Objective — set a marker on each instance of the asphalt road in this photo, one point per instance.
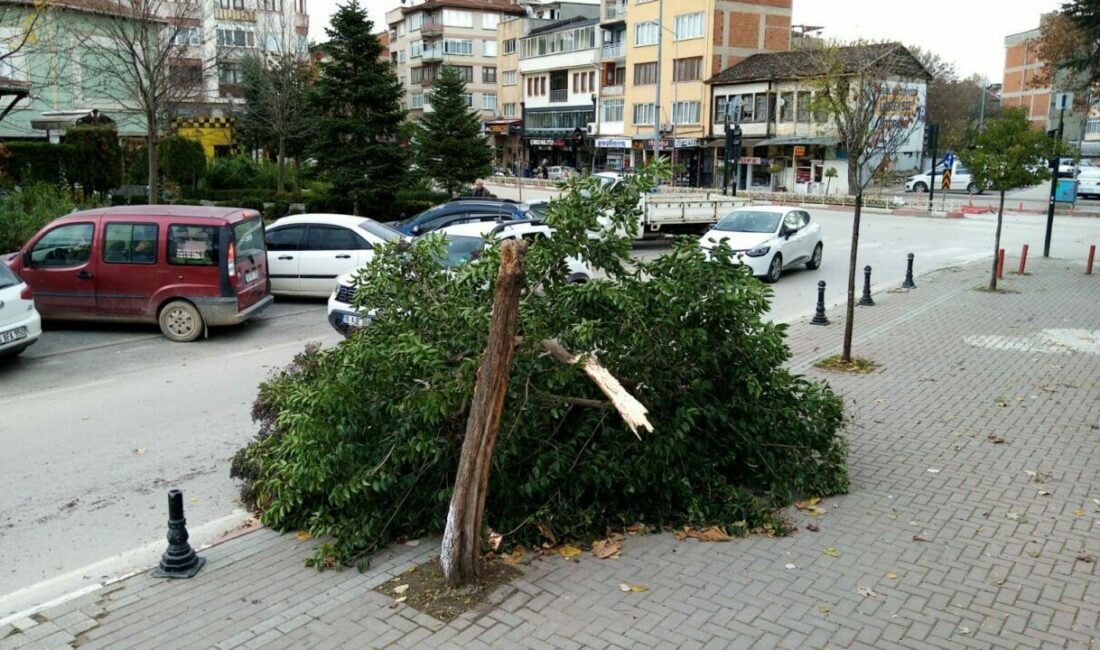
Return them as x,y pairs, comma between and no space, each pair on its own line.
98,421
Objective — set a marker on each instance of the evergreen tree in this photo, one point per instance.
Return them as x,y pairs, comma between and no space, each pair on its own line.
450,148
357,106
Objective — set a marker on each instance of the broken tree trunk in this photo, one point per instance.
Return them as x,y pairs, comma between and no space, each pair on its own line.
461,549
632,411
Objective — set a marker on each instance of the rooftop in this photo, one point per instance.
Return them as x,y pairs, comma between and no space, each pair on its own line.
503,6
803,64
568,23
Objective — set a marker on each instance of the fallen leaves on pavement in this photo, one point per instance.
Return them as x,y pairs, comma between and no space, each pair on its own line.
303,535
569,551
608,548
515,557
890,575
920,538
867,592
832,552
1018,517
400,589
997,440
711,534
632,588
1084,557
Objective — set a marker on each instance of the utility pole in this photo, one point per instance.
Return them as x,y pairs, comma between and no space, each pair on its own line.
657,106
522,147
933,142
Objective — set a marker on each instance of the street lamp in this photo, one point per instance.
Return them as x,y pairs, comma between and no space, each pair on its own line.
733,142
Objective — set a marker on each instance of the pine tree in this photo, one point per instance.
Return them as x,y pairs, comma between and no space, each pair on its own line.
357,104
450,148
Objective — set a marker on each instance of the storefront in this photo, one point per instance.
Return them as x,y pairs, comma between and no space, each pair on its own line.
504,139
613,154
750,172
799,162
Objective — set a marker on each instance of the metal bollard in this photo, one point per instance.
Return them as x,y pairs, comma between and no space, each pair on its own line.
1092,256
909,284
1023,260
1001,264
819,316
180,560
866,300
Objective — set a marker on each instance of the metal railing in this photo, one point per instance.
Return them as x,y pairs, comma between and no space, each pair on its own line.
611,91
615,11
560,95
614,50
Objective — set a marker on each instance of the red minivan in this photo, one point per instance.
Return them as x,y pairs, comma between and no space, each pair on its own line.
183,267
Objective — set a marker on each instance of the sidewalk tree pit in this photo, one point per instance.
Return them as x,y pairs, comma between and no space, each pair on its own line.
361,442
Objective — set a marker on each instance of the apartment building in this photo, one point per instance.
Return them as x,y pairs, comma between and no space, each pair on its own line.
457,33
657,54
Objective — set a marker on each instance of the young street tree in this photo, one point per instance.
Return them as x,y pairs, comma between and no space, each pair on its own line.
356,104
1070,41
872,94
141,54
450,148
1004,157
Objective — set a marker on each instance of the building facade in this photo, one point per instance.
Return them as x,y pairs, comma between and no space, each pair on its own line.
458,33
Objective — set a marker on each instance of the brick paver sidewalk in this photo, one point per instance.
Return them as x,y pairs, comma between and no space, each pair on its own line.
947,538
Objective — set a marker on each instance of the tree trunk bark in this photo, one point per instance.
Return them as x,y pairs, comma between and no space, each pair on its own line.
461,549
153,149
850,312
854,187
997,243
281,186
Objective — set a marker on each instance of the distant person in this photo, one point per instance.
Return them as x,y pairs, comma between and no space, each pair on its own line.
479,189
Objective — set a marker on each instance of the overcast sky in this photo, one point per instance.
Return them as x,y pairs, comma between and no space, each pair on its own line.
969,32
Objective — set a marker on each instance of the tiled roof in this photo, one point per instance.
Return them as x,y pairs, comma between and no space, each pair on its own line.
801,64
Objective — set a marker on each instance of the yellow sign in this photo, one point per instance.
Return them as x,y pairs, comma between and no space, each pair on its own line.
946,185
799,151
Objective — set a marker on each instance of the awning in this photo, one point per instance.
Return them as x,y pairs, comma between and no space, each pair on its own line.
62,120
826,141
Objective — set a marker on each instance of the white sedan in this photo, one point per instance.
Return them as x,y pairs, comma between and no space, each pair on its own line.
20,325
768,239
307,252
464,242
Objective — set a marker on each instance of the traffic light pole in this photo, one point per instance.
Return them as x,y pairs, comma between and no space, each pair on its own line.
933,142
1053,185
726,168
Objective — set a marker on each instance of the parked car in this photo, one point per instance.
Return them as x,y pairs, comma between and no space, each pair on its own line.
1067,168
960,179
464,241
462,210
1088,183
560,173
20,324
182,267
768,239
306,252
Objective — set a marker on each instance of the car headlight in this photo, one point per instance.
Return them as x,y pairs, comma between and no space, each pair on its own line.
758,251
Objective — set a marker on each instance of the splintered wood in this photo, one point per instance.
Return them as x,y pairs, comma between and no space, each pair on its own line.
630,409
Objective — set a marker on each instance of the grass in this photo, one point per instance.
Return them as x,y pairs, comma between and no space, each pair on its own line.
857,366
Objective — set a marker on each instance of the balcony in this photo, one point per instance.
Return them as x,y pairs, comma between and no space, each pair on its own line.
236,15
613,51
560,95
611,91
614,12
430,30
432,55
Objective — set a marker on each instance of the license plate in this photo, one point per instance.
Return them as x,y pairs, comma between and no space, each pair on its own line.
250,276
13,335
352,321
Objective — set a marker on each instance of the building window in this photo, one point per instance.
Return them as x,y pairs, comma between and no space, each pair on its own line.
558,120
416,75
490,20
416,101
272,5
229,73
689,26
236,38
804,106
615,77
458,18
488,48
572,40
186,76
646,33
760,110
644,114
510,110
509,78
786,107
530,85
645,73
510,46
489,74
687,69
542,86
489,102
465,72
685,112
416,48
400,56
577,82
415,21
458,46
592,80
186,36
468,99
1092,126
612,110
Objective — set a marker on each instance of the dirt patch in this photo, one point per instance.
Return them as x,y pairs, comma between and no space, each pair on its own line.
986,289
424,589
857,366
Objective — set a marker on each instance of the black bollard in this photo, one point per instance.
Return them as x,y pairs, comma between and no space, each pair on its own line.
909,284
179,561
866,300
819,315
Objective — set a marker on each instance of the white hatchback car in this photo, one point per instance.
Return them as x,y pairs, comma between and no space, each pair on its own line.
307,252
20,324
768,239
464,241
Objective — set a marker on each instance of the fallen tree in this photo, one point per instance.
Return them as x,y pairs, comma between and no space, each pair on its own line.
362,442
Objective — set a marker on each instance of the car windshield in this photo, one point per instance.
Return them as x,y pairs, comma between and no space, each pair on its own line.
749,221
249,235
461,249
385,233
539,210
416,217
8,278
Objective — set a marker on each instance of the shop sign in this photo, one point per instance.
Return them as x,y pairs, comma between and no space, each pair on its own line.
497,128
541,142
799,151
686,143
648,144
612,143
751,160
